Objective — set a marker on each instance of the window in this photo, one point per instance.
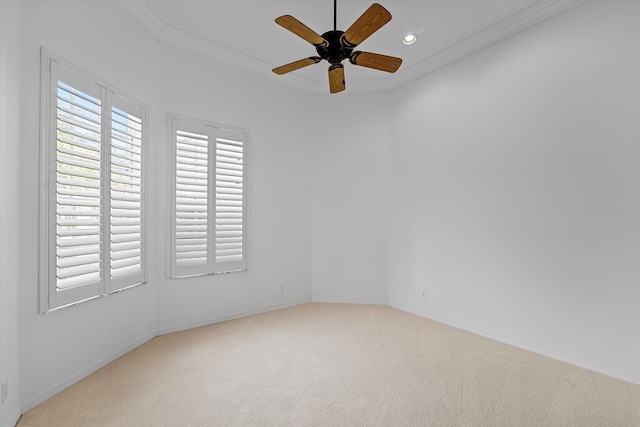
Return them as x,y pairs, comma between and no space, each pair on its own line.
93,192
208,204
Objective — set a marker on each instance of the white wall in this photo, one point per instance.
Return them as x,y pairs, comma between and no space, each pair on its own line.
504,185
279,190
516,176
10,70
59,348
350,199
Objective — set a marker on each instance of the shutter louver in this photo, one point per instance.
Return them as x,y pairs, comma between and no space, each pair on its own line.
229,203
93,198
191,201
208,210
78,195
125,198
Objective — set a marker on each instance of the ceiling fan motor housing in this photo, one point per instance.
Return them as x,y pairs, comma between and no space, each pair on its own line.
335,52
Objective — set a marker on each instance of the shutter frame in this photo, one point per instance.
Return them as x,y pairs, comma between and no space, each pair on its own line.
128,276
180,135
69,182
215,263
60,297
225,262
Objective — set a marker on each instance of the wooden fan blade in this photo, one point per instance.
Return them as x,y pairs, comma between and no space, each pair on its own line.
369,22
284,69
336,78
390,64
301,30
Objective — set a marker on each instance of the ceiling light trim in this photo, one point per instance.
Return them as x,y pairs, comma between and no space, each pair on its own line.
533,14
409,39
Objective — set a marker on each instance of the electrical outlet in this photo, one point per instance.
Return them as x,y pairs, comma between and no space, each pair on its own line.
281,288
5,391
424,294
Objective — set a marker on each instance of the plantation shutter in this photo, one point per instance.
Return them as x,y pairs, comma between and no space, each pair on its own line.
93,200
76,201
126,198
230,201
208,203
192,233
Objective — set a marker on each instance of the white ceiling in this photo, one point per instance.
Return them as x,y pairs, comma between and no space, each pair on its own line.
243,33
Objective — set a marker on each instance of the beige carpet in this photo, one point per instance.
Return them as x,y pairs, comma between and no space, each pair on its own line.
337,365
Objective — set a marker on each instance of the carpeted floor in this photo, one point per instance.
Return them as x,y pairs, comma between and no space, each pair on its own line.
337,365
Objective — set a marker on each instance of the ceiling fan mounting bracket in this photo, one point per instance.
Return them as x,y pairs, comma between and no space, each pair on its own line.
335,52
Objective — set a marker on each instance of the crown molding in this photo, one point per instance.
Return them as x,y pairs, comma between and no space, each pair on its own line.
533,14
183,40
145,16
175,37
504,28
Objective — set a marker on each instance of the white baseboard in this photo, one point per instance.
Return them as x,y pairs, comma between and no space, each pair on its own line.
13,418
552,353
548,352
218,319
33,401
370,301
68,382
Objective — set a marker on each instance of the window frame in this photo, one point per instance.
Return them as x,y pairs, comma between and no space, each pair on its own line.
215,129
50,297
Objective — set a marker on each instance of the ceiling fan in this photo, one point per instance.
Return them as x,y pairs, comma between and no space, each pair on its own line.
336,46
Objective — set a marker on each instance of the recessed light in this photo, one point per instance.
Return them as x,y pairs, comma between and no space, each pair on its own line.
409,39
